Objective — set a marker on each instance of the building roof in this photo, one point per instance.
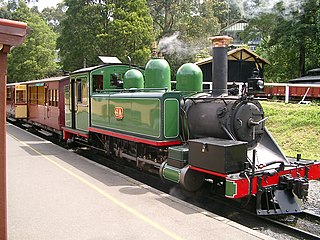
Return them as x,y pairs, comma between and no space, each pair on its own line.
60,78
237,26
313,76
239,54
12,33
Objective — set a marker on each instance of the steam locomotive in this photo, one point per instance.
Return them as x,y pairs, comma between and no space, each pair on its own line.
187,136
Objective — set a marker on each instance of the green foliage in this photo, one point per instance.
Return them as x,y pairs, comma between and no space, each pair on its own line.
290,39
35,58
54,15
295,127
110,28
130,32
4,10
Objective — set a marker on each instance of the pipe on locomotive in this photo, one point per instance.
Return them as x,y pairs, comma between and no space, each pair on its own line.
220,65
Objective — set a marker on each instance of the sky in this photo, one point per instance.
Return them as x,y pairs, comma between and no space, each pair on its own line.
46,3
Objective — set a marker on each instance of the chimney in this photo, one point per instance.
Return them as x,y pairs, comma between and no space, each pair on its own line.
220,65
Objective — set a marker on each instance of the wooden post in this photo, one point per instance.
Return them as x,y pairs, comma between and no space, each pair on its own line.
12,33
287,94
3,200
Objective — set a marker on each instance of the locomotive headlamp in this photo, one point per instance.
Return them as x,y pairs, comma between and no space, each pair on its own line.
260,84
255,83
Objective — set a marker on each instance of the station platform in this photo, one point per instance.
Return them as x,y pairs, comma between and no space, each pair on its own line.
55,194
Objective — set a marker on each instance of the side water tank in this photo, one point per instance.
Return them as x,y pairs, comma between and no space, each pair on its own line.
189,78
158,74
133,78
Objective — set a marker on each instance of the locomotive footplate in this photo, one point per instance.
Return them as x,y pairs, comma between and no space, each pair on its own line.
218,155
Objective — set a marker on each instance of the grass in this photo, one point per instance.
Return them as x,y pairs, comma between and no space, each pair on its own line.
296,128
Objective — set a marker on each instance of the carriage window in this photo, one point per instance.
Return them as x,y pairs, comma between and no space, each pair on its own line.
82,91
79,91
97,83
21,96
50,97
33,98
53,97
37,95
9,93
41,95
56,98
46,99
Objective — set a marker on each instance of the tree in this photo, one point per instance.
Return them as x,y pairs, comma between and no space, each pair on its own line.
4,11
290,39
54,16
129,33
35,58
112,28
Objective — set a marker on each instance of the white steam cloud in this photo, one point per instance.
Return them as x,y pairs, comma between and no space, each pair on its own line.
173,45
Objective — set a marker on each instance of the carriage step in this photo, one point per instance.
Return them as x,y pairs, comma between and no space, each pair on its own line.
12,119
27,125
46,133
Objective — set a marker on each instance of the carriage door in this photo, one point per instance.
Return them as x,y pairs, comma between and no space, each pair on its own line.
20,102
67,107
81,104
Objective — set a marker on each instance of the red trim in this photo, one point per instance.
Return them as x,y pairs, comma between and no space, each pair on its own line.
66,135
75,132
11,23
208,172
136,139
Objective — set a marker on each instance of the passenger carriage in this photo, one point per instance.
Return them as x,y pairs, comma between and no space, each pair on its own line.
16,107
38,103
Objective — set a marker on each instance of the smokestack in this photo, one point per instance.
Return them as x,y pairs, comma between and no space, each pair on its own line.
220,65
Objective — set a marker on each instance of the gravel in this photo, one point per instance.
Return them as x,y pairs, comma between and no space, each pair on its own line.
313,201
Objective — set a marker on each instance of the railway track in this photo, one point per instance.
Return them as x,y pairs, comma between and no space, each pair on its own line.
297,231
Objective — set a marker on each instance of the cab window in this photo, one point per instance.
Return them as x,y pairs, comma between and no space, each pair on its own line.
97,83
116,80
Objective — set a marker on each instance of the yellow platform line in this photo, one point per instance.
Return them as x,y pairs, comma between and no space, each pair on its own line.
106,195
